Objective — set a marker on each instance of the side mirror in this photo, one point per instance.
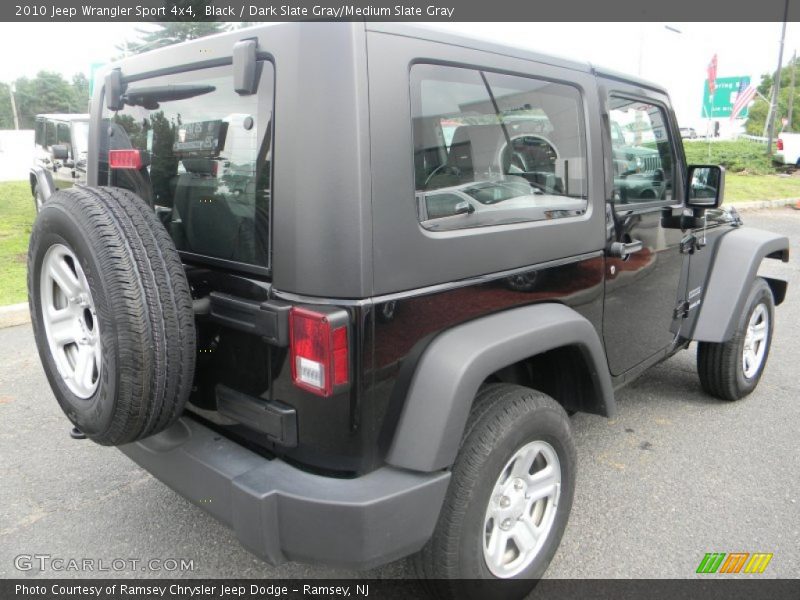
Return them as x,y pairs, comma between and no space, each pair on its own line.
463,208
59,152
706,186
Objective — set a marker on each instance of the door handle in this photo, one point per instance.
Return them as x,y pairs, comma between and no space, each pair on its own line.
623,250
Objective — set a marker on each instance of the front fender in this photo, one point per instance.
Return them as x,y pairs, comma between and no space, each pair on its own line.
44,181
734,267
457,361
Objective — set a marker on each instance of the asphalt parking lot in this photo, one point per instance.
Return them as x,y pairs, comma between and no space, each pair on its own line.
675,475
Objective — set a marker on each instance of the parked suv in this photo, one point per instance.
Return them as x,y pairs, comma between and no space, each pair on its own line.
210,301
59,160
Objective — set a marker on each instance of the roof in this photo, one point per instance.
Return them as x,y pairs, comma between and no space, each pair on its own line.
437,35
166,55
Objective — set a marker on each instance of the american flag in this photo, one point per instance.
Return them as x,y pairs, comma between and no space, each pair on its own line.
746,93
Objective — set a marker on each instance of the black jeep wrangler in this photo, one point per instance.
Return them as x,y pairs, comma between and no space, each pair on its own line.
341,285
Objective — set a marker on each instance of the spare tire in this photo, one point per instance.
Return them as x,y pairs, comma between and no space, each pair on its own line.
111,312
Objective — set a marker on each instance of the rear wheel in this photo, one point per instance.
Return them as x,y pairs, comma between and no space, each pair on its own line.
111,313
731,370
509,498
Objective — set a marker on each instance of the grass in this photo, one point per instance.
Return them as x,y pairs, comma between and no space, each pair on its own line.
743,188
16,218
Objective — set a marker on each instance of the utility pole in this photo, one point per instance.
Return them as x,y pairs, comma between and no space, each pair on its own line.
791,94
769,112
777,86
11,90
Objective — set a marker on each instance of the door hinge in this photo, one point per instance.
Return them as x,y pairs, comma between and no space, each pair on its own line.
690,243
681,311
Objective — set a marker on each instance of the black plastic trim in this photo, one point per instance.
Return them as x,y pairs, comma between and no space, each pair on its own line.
269,320
275,419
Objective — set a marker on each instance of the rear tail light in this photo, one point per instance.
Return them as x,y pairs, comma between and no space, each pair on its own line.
319,352
125,159
780,144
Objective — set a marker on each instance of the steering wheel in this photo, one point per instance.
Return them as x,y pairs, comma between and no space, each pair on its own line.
444,168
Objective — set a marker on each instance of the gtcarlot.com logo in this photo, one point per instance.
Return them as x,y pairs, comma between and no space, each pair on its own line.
48,562
734,562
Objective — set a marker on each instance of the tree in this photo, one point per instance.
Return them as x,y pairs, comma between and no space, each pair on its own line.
6,116
50,93
757,115
80,89
167,34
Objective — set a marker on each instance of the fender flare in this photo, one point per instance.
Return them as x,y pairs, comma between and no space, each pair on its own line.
457,361
44,180
733,269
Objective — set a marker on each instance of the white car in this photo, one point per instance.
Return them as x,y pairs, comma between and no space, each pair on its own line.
788,149
492,202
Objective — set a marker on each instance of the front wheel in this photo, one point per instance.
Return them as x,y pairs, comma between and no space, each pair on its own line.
731,370
509,498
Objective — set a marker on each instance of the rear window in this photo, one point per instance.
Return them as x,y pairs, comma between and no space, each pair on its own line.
206,161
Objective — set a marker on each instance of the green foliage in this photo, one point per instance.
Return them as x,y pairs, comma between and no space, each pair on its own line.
170,33
49,93
757,115
6,116
741,156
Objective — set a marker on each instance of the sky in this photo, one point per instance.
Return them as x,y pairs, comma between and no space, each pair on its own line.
677,61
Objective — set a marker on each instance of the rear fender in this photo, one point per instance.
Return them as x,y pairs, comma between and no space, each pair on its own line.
458,361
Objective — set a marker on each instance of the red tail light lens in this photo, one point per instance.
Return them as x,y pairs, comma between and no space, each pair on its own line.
125,159
319,352
780,144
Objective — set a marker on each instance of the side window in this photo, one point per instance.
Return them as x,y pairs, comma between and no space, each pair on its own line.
50,133
39,132
492,149
62,134
642,154
206,161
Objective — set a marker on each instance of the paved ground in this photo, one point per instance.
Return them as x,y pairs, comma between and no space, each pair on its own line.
676,475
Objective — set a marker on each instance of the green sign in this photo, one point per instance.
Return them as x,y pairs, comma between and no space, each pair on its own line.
724,98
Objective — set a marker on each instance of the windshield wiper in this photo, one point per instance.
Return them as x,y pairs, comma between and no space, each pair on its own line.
149,97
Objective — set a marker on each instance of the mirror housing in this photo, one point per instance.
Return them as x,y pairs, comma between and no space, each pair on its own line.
114,89
705,186
463,208
245,75
60,151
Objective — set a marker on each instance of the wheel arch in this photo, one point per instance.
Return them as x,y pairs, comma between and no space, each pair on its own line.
43,180
733,269
455,364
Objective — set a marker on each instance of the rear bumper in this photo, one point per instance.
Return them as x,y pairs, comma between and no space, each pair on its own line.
282,513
